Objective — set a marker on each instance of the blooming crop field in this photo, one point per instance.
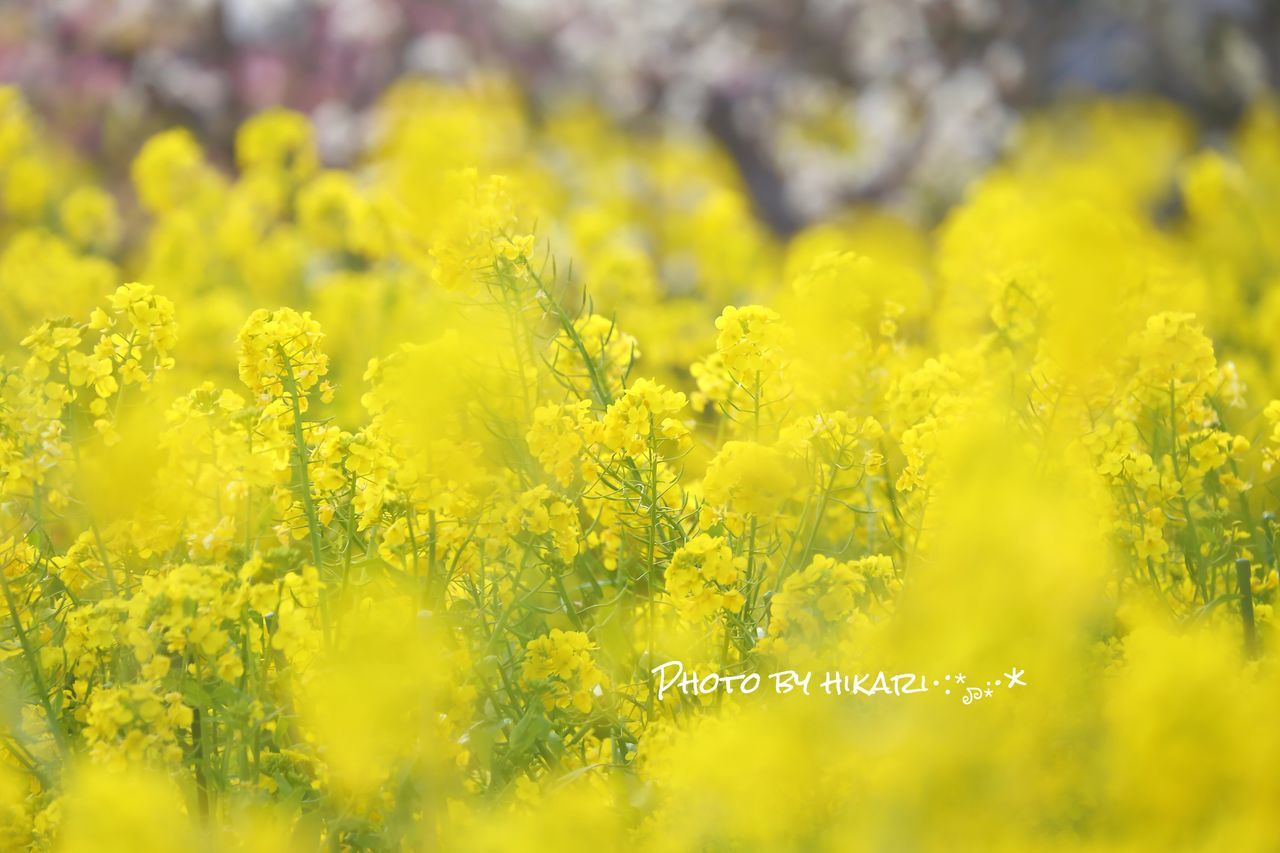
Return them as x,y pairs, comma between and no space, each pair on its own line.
517,489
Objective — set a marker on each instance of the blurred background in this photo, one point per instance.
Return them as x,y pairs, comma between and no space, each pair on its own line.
820,103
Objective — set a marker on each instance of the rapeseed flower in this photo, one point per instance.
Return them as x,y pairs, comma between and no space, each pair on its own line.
355,508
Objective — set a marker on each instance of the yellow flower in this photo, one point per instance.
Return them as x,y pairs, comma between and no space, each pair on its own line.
280,352
643,415
279,143
170,171
330,208
751,341
88,215
749,478
702,577
477,230
562,662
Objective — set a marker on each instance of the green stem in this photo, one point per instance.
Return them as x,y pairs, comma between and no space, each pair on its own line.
1195,562
33,664
649,554
1244,584
300,454
598,385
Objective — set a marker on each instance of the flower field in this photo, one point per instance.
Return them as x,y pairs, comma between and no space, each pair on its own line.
377,509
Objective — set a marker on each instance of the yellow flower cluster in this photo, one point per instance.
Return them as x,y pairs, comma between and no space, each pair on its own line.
279,354
562,660
818,603
748,478
703,576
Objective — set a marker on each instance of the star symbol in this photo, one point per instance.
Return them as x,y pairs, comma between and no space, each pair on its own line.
988,691
1015,677
960,678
